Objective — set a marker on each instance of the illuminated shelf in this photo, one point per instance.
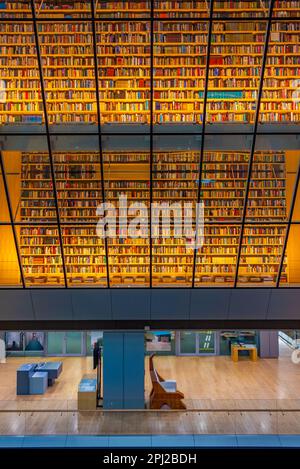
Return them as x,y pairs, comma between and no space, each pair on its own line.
179,63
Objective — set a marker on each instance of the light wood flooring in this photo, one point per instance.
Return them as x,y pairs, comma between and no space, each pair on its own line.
207,382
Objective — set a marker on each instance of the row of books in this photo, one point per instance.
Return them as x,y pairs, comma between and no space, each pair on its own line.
118,9
130,257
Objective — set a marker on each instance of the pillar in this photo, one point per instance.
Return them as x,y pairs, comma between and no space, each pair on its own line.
268,344
123,370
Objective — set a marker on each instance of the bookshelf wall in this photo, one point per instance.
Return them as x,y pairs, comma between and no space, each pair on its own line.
128,174
123,50
223,192
123,69
175,177
123,54
78,184
175,180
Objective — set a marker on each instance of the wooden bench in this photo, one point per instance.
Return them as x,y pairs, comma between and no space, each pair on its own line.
164,392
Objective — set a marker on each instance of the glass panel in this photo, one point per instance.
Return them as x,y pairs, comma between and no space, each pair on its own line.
235,67
127,175
73,343
34,201
181,8
180,51
4,211
280,98
241,8
290,274
14,341
188,342
41,255
34,342
78,181
15,9
223,183
56,343
296,211
9,267
216,259
260,255
79,189
206,342
227,338
69,71
20,92
175,191
92,338
269,187
85,258
287,8
123,50
62,8
123,9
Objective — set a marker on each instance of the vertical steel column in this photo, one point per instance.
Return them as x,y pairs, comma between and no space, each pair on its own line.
99,129
48,139
203,127
151,130
251,160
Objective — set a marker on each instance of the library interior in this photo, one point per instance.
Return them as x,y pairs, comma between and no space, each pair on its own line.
149,215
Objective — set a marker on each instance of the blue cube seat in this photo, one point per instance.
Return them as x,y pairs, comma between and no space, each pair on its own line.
24,373
38,382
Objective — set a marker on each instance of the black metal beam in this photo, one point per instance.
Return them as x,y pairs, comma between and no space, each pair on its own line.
141,134
252,153
151,131
99,130
88,223
288,229
203,131
243,19
163,324
52,170
11,217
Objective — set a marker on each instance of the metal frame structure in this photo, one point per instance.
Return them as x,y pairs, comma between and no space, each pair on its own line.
91,16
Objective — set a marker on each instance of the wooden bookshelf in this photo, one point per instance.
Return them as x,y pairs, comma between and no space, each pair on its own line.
123,48
78,183
175,176
223,192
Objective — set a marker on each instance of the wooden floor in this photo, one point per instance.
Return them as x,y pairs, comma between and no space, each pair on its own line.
199,378
207,382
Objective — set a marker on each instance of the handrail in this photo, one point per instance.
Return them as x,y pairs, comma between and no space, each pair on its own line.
185,411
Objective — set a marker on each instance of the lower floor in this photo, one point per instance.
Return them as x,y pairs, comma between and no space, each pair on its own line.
204,380
221,396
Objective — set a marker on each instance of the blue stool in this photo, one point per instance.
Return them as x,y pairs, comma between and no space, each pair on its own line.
38,382
23,376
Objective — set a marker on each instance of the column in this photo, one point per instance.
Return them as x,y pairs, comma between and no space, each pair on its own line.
123,370
268,344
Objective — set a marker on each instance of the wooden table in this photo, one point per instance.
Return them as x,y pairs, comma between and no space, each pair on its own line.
87,393
235,348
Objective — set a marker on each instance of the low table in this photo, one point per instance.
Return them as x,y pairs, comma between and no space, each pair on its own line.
87,393
252,349
53,369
